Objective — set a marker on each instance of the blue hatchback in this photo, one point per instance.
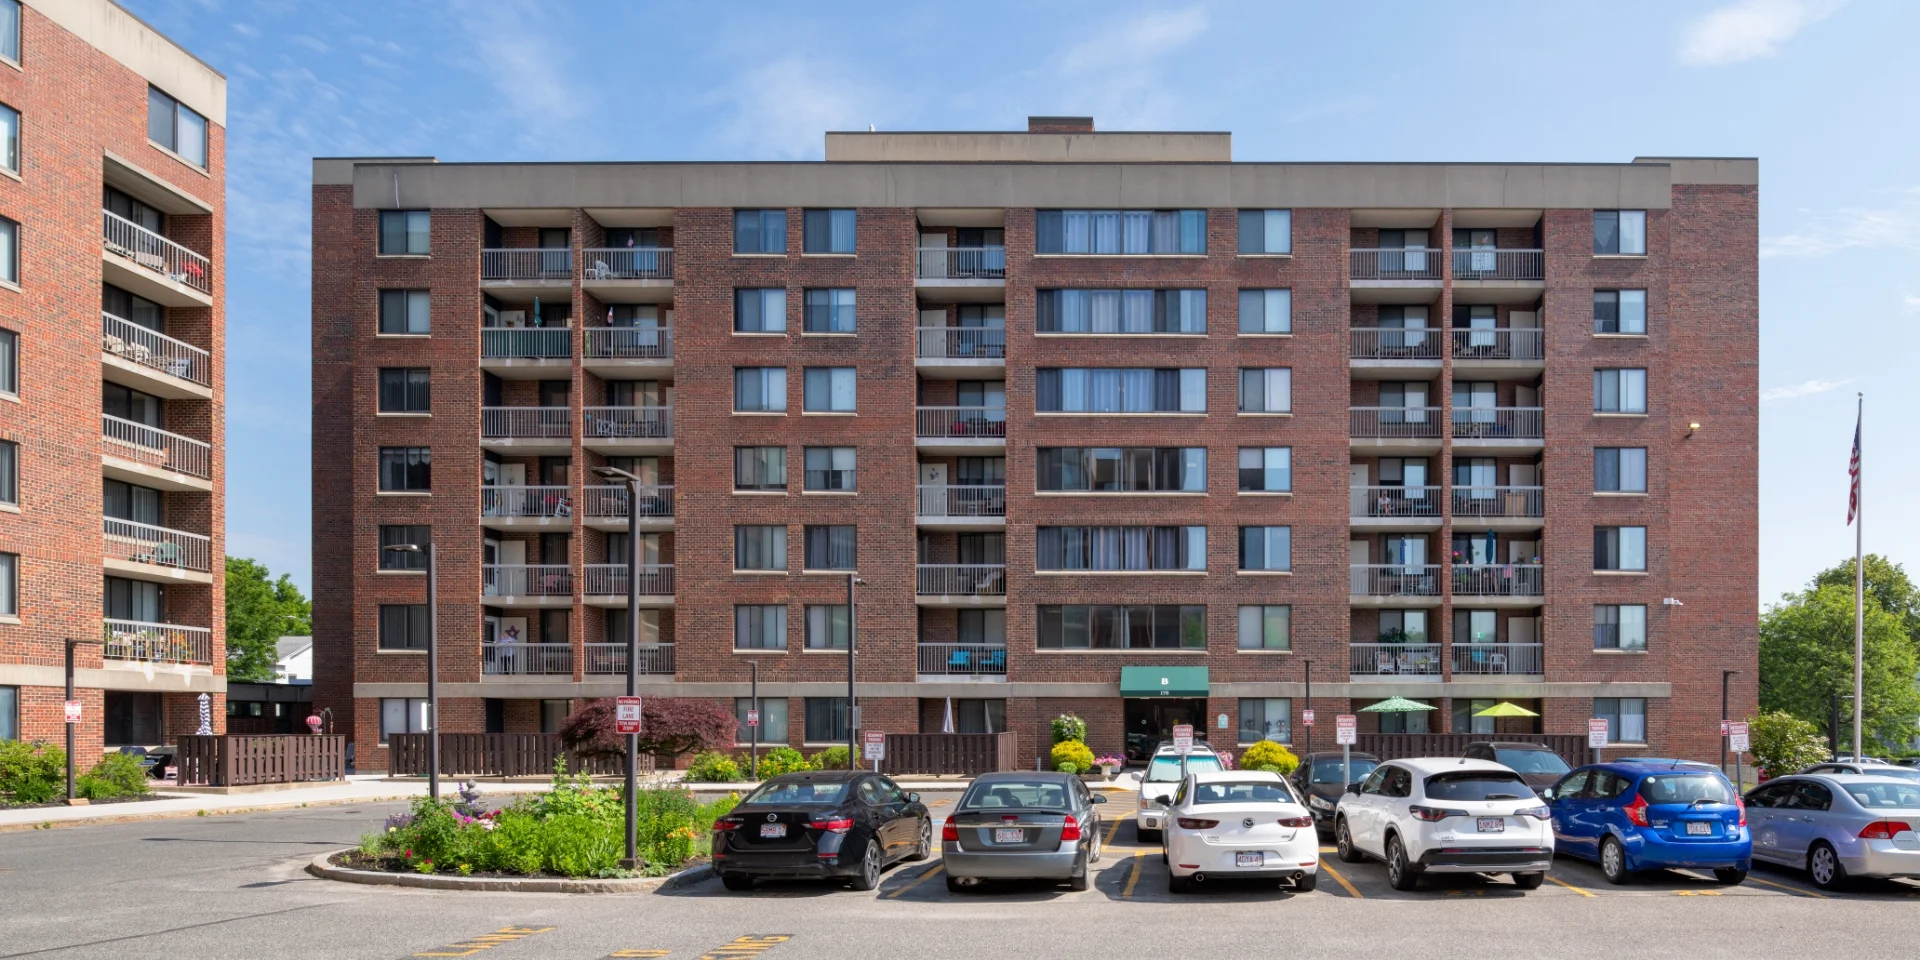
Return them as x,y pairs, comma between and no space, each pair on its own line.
1630,816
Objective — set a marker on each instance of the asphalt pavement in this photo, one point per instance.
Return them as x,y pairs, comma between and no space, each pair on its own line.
233,886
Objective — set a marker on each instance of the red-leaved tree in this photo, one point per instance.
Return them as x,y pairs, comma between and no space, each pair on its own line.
669,728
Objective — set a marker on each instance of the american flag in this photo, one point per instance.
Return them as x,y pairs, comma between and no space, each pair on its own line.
1853,470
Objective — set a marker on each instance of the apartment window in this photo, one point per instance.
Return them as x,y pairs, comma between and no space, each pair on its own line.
395,536
553,713
970,715
9,138
1120,548
616,624
759,231
9,362
135,600
1122,469
1469,626
1266,718
983,627
1268,627
760,547
1268,390
827,626
1620,232
828,310
403,626
404,232
1619,311
1120,390
1619,548
1266,548
9,473
1626,718
827,720
404,312
826,231
1124,232
828,390
829,547
760,626
1620,469
760,310
129,404
9,251
1121,627
829,468
10,40
760,468
773,720
1619,626
760,389
9,584
405,389
406,469
1266,231
1619,391
1266,469
173,125
1266,311
403,715
1120,311
9,713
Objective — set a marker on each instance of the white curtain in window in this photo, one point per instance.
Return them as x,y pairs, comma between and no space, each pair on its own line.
1106,231
1103,308
1136,311
842,391
1139,229
1279,232
1076,230
1279,391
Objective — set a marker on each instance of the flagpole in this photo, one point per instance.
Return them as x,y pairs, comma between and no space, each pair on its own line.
1859,575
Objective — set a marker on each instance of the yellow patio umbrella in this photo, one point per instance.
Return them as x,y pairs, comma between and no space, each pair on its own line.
1505,709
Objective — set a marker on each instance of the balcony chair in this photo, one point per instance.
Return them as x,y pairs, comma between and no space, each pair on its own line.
960,661
168,555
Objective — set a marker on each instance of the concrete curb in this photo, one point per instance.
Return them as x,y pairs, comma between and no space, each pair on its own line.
195,812
320,867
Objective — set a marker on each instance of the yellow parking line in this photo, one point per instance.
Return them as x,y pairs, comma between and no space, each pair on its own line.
1328,869
923,878
1553,879
1782,886
1108,842
1133,877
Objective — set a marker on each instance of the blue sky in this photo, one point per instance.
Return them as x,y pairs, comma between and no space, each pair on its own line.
1814,88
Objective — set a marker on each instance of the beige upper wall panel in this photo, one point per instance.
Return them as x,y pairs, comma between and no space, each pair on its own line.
142,49
1018,147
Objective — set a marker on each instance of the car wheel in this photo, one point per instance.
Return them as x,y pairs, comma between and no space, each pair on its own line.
1730,876
1094,855
1824,867
1078,881
1529,881
924,848
736,881
1343,843
869,875
1176,884
1401,875
1613,862
1306,883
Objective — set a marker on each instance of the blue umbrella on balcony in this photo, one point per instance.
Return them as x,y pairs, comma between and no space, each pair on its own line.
536,311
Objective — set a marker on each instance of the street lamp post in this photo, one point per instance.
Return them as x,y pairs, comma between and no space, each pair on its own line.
1310,706
753,759
433,663
632,861
853,709
71,643
1726,734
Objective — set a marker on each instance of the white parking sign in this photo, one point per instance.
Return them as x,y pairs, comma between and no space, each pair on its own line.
1738,738
1183,739
1346,729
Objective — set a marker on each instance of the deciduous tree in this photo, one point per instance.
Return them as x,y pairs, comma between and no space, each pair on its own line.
670,727
260,610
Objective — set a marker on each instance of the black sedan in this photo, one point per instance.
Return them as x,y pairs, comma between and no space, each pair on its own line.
821,825
1322,777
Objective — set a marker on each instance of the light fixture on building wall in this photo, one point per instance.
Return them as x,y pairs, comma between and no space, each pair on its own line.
1691,427
1672,602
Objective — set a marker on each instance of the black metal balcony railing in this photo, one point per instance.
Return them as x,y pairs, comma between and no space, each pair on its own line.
963,659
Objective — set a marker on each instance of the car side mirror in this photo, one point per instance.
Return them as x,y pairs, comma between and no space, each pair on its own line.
913,798
1163,801
1097,798
1354,788
1546,794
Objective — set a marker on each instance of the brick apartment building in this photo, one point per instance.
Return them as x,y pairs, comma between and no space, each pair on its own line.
1106,422
112,186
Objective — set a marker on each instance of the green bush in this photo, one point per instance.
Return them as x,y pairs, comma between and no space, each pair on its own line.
1072,756
1783,744
116,775
832,758
781,760
31,772
1269,756
1069,727
713,767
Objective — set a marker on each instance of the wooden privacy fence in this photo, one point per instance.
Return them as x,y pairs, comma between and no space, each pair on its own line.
950,753
1572,747
495,755
237,761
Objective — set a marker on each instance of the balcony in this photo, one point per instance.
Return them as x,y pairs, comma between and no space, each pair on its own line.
1499,584
142,642
134,356
1511,428
1473,661
533,585
1498,353
1374,662
960,431
1394,584
963,661
136,259
1394,353
137,453
611,351
547,430
961,584
624,430
526,660
1502,276
633,274
977,274
1504,508
961,506
960,353
525,507
1413,430
147,552
1394,275
525,272
656,659
526,353
1394,508
607,584
607,507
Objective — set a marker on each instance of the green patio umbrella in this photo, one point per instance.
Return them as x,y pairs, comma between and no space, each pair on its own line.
1396,705
1505,709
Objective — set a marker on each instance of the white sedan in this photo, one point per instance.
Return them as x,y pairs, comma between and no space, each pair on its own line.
1239,824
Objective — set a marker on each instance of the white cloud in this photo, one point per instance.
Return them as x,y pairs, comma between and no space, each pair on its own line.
1136,96
246,30
1749,29
528,63
312,43
1849,228
1807,389
780,110
1909,300
1135,40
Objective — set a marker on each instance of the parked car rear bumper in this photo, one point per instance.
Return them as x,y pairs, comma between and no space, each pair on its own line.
1882,858
785,865
1647,852
1528,860
1010,865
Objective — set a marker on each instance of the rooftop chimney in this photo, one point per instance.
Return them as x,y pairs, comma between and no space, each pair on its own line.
1059,124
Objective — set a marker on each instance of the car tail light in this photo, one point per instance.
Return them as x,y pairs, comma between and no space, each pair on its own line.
1195,823
841,825
950,832
1636,811
726,824
1884,829
1742,806
1432,814
1539,812
1070,828
1296,821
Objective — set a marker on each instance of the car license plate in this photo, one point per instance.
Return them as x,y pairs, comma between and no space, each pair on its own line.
1249,858
1699,828
773,830
1492,824
1009,835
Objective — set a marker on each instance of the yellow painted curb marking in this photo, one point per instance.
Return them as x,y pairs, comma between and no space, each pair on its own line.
1108,842
1328,869
1782,886
923,878
1585,893
1133,877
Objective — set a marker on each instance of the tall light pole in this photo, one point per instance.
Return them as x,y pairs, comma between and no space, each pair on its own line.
1310,706
71,643
1726,735
433,664
853,709
632,861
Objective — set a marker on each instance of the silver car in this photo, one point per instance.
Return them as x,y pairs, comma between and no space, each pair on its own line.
1866,769
1838,826
1022,826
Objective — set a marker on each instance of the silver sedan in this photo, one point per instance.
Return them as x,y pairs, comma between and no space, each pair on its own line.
1022,826
1838,826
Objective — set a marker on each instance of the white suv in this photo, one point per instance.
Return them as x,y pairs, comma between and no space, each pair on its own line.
1446,815
1161,779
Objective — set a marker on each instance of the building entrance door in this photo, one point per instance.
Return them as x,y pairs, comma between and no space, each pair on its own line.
1150,722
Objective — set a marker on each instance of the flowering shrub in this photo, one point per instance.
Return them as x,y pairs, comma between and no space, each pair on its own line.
781,760
1109,761
1069,727
1072,756
1226,760
1270,756
713,767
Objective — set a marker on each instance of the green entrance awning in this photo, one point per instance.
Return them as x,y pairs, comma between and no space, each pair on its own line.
1163,681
